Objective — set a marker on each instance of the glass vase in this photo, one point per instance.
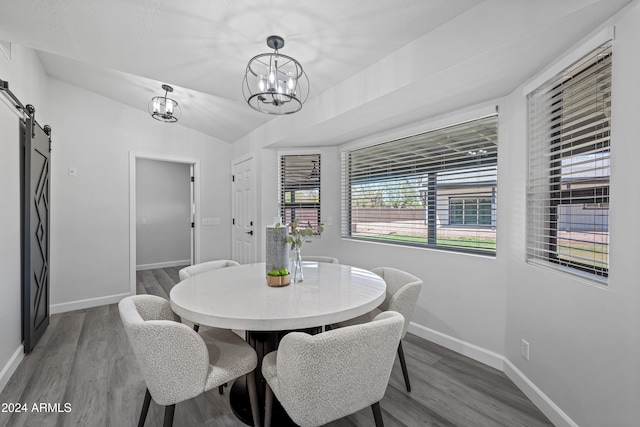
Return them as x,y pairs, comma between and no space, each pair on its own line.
297,265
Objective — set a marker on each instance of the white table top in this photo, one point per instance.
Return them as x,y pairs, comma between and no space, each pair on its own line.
239,297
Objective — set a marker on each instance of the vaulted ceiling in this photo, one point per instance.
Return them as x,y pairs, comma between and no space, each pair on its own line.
371,64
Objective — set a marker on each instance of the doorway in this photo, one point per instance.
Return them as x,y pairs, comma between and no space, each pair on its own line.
163,208
244,222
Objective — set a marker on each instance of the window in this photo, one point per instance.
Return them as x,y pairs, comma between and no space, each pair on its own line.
300,189
470,211
436,189
569,152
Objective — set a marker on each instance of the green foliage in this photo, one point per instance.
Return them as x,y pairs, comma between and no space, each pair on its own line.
299,234
398,193
459,242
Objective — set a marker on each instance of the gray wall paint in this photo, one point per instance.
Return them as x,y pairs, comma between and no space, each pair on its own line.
163,217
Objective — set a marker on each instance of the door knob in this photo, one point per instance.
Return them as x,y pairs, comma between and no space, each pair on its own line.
250,232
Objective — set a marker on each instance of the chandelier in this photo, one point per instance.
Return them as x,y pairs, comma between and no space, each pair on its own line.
163,108
275,83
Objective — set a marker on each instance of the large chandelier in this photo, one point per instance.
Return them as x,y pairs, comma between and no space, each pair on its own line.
163,108
275,83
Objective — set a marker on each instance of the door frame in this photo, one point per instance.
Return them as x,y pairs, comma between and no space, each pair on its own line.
257,226
195,164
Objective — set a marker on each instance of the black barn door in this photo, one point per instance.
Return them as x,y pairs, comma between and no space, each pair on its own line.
36,170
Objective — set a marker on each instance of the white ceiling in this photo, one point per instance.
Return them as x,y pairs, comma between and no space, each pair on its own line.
125,49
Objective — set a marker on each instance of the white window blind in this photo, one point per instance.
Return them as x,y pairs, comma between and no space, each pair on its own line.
569,152
300,189
436,189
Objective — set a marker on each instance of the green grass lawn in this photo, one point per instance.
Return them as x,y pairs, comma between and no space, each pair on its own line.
458,242
587,254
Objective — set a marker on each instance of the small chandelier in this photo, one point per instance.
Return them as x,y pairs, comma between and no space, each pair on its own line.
275,83
163,108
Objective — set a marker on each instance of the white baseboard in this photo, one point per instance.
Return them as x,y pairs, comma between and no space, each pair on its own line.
86,303
479,354
552,411
556,415
11,366
163,265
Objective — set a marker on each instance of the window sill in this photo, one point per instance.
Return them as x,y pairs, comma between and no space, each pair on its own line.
571,273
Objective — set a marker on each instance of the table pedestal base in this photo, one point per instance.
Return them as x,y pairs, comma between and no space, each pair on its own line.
264,343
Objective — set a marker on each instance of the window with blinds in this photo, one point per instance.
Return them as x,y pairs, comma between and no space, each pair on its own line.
300,189
569,152
436,189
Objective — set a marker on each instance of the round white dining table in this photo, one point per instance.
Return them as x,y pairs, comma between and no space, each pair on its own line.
238,297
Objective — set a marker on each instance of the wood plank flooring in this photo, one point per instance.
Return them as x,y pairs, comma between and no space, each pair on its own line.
84,360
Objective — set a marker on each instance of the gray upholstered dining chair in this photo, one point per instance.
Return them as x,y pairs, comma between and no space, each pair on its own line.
318,258
194,269
176,362
203,267
402,293
200,268
320,378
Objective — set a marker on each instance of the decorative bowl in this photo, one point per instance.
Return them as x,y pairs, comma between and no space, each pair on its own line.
277,281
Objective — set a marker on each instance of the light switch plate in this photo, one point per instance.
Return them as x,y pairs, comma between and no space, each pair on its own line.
210,221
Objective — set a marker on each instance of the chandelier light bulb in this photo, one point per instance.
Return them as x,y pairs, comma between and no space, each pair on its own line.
272,77
289,80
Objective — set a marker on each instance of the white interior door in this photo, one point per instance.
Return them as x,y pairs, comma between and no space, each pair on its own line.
244,212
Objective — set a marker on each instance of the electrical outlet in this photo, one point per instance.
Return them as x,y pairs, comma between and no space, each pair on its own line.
524,349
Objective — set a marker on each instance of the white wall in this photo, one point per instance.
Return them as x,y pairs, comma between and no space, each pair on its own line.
584,340
28,82
163,214
90,257
90,212
467,305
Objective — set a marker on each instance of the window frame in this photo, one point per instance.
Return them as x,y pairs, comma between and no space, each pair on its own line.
478,207
283,205
560,149
434,181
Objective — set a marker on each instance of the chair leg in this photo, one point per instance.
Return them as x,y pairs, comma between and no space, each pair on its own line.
268,405
253,397
404,366
377,414
196,327
168,415
145,409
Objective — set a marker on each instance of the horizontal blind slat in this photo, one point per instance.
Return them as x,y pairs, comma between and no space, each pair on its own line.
396,191
569,166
